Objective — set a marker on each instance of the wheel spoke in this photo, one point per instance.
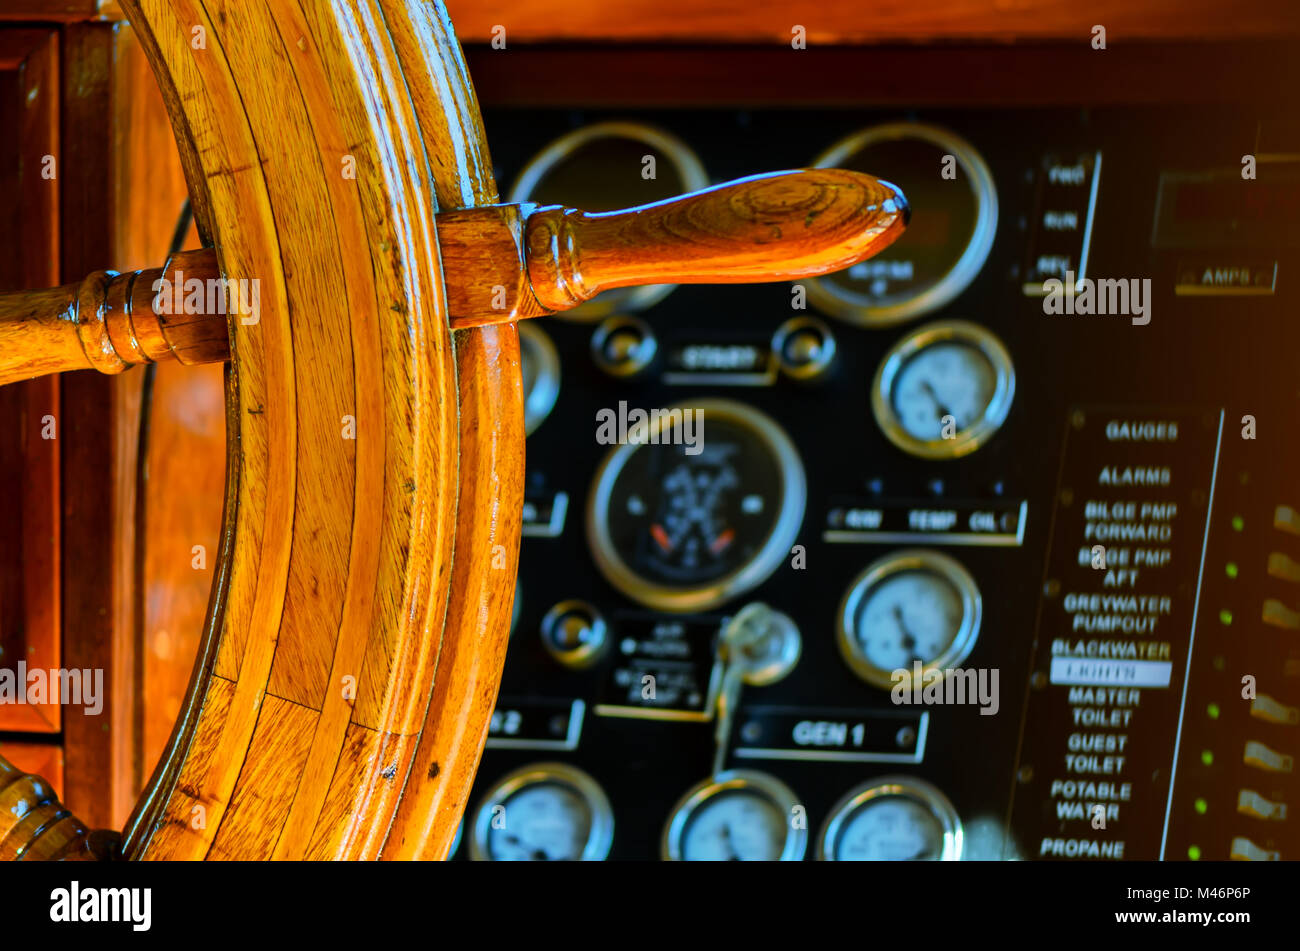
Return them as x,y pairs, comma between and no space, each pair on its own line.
111,321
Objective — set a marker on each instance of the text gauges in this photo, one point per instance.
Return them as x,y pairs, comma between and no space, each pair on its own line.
605,167
913,607
700,503
954,215
896,819
943,390
543,812
737,815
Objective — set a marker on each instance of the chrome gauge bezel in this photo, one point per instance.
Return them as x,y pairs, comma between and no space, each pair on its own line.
758,569
540,400
599,837
683,159
764,784
908,560
917,790
972,437
858,308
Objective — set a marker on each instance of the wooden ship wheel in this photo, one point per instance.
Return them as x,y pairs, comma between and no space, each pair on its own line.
359,616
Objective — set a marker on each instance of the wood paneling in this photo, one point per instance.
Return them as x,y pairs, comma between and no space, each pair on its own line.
866,21
907,76
29,412
38,759
122,189
183,478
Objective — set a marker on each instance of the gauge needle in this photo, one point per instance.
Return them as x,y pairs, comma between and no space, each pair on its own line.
938,403
908,641
726,841
724,539
661,537
537,855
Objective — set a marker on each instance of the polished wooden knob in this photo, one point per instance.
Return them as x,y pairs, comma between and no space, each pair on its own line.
35,825
500,263
511,261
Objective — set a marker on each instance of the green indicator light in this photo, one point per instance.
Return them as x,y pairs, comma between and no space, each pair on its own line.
1213,711
1194,853
1202,806
1207,757
1225,617
1238,523
1230,569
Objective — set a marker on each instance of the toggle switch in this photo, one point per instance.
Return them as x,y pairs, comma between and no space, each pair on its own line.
1261,757
1279,615
1265,708
1244,850
1284,567
1251,803
1286,519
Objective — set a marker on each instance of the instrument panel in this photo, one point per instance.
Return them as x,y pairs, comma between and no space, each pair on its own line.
985,548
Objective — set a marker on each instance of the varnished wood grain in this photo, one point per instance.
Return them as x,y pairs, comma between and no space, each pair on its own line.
111,321
35,825
510,262
503,262
491,475
352,316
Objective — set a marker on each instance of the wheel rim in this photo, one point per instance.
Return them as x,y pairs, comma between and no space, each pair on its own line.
311,701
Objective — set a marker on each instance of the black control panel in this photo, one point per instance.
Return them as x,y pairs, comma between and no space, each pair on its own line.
986,548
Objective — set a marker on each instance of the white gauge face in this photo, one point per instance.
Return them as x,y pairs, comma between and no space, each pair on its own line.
544,822
894,819
890,829
907,617
915,606
736,816
739,825
944,390
546,812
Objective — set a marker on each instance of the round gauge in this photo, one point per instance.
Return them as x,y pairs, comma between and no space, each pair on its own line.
541,373
701,507
943,390
892,820
736,816
954,217
605,167
913,606
547,812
